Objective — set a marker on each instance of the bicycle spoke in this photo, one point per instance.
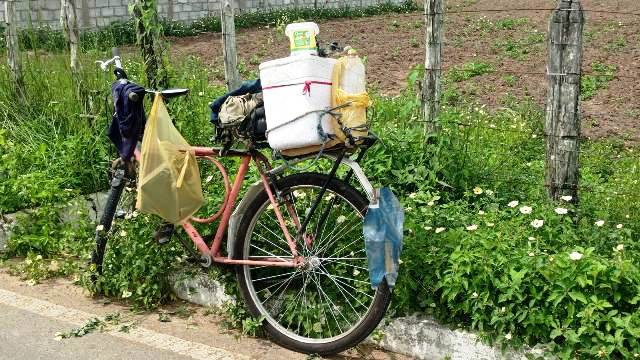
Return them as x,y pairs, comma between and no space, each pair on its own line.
270,277
267,252
274,234
336,235
332,305
339,251
324,272
342,291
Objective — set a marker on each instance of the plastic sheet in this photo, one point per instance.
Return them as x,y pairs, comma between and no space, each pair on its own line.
383,226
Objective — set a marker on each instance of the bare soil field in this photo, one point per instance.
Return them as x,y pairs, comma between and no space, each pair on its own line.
504,51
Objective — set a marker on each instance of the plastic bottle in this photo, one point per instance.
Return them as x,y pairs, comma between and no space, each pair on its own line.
302,38
353,79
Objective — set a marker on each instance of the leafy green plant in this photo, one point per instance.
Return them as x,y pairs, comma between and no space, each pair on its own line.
601,76
468,70
511,23
519,49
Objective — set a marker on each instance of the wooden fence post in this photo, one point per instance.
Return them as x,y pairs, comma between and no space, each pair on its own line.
13,47
431,87
229,45
69,22
562,123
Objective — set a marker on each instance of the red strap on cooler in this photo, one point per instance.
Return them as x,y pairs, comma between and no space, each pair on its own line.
306,90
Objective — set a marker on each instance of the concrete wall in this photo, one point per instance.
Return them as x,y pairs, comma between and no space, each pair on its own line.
97,13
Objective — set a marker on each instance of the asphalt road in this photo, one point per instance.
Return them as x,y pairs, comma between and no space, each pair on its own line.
28,336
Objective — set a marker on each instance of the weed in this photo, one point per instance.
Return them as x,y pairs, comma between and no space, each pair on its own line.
520,49
467,71
255,60
511,23
601,76
510,79
618,44
414,42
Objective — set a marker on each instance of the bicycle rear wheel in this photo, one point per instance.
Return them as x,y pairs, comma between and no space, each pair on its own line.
327,305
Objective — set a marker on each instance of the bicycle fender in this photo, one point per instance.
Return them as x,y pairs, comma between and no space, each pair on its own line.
357,170
238,213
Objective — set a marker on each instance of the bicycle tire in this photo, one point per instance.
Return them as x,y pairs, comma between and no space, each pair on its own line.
281,335
118,183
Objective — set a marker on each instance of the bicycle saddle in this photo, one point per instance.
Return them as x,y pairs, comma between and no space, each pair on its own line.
171,93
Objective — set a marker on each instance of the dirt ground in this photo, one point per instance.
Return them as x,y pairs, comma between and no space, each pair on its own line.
512,42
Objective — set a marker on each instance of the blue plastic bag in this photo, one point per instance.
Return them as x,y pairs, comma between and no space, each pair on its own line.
383,225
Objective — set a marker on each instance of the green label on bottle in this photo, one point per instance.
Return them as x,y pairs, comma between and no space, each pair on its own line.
302,40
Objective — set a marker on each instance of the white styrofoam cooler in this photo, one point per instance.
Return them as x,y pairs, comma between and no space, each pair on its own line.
291,87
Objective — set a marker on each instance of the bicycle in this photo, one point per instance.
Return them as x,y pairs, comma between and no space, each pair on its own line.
296,242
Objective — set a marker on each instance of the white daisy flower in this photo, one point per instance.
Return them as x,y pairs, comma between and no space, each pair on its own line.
440,229
599,223
472,227
537,223
526,210
561,211
508,336
620,247
513,204
575,256
619,226
477,190
126,294
566,198
100,227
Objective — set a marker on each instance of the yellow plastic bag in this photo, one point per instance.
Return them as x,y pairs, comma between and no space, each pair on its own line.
354,116
169,181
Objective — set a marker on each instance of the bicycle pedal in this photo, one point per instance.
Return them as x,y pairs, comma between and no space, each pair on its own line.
163,234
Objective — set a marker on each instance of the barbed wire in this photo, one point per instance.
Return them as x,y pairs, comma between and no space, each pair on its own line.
470,11
520,72
579,187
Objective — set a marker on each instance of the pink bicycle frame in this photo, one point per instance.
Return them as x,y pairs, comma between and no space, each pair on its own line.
228,206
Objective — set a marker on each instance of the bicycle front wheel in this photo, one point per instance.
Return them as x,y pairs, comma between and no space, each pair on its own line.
327,305
120,201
